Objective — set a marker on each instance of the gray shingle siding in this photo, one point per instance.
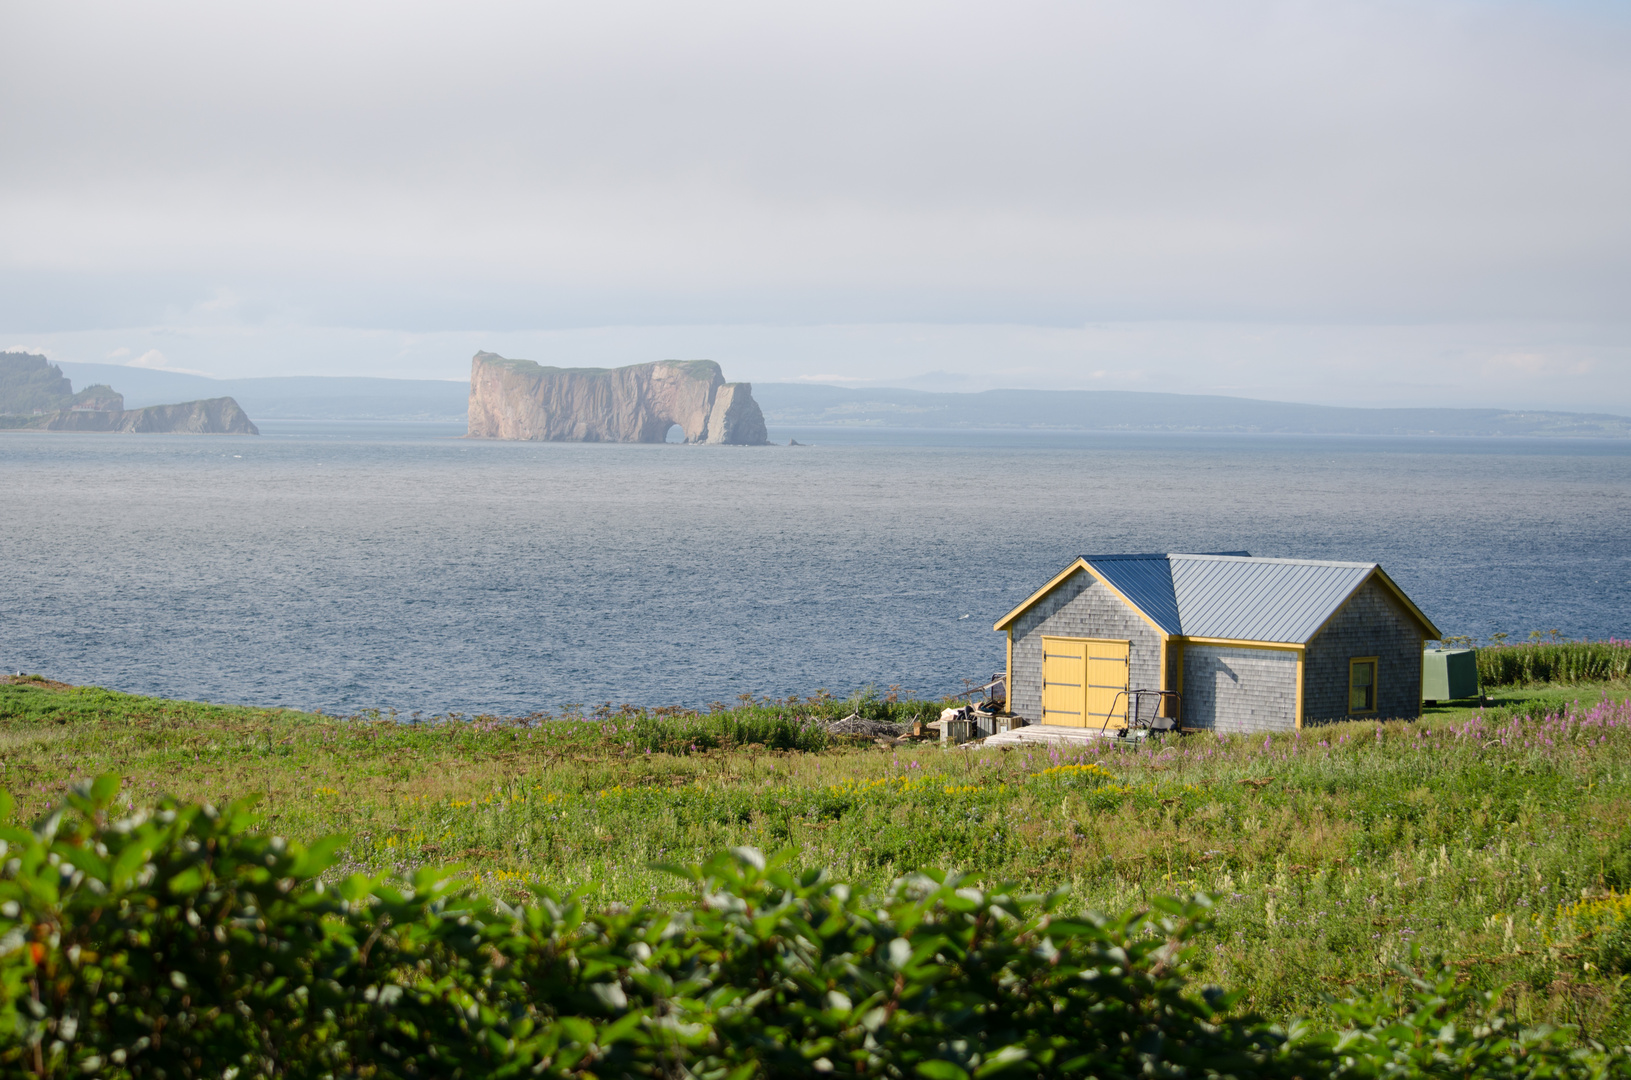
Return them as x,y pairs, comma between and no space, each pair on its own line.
1079,607
1373,623
1233,689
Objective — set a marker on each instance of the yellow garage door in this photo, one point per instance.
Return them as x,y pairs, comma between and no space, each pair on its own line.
1064,678
1084,682
1107,683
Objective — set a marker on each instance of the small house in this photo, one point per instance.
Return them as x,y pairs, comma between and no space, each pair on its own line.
1239,644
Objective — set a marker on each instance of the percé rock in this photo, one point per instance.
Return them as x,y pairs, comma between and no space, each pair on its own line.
735,416
213,416
518,399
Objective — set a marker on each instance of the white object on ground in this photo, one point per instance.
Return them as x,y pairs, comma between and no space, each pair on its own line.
1048,735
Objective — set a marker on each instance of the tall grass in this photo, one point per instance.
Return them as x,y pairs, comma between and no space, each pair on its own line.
183,941
1332,853
1532,662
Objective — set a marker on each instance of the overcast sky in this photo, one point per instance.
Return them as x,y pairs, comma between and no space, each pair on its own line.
1373,203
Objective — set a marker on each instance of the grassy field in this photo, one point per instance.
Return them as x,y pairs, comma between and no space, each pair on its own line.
1498,838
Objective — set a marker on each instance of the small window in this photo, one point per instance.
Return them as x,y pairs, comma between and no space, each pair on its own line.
1362,685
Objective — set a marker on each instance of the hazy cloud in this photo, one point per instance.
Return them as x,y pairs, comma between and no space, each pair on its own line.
1443,176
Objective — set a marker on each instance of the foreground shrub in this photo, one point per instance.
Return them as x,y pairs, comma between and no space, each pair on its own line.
183,943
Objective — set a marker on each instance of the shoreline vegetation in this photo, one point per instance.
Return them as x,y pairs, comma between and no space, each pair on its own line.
1552,661
1334,858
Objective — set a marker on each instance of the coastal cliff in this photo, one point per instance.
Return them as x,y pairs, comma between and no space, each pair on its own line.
518,399
215,416
36,396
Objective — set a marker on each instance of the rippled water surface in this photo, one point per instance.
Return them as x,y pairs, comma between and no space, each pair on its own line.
396,566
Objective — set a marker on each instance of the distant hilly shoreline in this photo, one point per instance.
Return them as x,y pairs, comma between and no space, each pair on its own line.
1121,410
801,405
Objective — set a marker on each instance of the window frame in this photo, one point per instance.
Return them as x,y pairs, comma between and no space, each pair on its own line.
1375,684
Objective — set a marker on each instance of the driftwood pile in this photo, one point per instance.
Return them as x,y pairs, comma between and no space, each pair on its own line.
853,724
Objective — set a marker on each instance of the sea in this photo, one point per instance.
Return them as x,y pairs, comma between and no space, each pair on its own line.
398,567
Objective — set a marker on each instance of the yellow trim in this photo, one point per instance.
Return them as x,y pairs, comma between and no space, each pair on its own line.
1080,563
1407,602
1162,680
1240,643
1299,715
1118,595
1008,674
1421,680
1058,579
1053,582
1398,593
1375,663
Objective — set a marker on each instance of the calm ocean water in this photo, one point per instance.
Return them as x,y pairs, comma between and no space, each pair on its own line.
354,566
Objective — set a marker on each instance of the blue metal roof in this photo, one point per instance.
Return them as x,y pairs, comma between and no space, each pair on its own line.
1233,595
1146,582
1261,599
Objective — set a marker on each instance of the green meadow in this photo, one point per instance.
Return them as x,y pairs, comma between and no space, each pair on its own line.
1496,837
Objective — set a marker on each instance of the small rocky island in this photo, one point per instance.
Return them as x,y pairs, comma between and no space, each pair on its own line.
36,396
518,399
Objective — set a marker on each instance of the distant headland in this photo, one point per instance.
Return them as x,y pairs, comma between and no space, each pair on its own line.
36,396
518,399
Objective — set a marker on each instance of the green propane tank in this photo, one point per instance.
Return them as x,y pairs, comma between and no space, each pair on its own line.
1447,674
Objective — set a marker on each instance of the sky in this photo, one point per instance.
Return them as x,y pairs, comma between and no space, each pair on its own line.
1378,203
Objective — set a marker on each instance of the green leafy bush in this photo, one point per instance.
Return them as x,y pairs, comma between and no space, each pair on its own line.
1436,1026
181,942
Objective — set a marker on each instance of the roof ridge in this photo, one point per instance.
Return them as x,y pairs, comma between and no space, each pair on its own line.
1157,555
1272,559
1241,597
